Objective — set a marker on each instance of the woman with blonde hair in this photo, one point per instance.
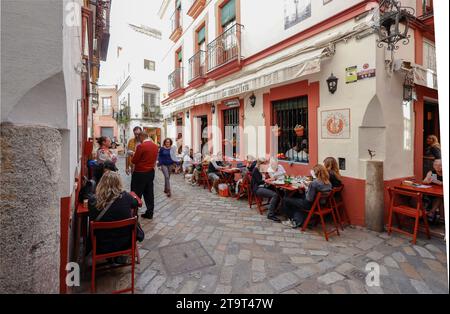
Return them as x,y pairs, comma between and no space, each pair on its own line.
294,207
432,153
333,170
111,203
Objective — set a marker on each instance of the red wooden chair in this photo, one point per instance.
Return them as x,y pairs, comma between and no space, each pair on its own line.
321,211
94,226
245,189
339,207
253,199
135,214
399,205
203,179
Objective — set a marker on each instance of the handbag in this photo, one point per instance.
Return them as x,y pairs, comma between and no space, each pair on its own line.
140,234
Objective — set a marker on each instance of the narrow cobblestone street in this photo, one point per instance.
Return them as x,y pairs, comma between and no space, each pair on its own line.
255,255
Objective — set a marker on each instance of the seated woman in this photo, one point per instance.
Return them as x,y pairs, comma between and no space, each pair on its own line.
434,177
333,170
248,168
275,170
111,203
294,207
214,168
187,161
260,190
198,169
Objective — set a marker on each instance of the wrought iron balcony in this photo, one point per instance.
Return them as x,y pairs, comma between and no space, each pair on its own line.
152,113
197,66
225,48
176,80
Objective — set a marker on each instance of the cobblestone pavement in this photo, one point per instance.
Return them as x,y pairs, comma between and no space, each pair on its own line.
254,255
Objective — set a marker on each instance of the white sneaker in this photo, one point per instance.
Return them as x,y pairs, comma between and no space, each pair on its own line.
288,223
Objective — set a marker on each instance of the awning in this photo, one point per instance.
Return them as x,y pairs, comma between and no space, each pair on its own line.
265,76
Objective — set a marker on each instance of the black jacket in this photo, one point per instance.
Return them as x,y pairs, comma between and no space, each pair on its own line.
257,179
116,239
335,182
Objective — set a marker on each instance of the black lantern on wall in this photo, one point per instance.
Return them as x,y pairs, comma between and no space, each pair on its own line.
332,83
252,100
393,24
408,87
213,109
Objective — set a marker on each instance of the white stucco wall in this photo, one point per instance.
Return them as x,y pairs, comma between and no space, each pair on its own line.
39,83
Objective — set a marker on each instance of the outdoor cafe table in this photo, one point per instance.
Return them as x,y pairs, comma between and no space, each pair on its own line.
287,187
432,190
228,174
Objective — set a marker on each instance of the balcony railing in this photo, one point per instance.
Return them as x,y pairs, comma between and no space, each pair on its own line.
197,66
152,113
176,80
225,48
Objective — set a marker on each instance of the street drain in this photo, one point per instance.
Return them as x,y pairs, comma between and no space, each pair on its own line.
185,257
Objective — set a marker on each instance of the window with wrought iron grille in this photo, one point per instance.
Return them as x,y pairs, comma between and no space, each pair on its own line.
231,132
290,118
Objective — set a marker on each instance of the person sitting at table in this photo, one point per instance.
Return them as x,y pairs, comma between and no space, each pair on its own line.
187,161
333,170
303,156
214,168
434,177
248,168
275,170
295,206
293,153
199,168
260,189
111,203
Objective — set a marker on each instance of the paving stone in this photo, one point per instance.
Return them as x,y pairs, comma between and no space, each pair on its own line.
174,282
330,278
375,255
390,262
258,265
423,252
338,289
435,266
207,283
145,278
410,271
293,251
230,260
421,287
189,287
258,276
345,268
433,248
155,284
409,251
244,255
265,242
356,287
399,257
226,275
283,281
301,260
319,253
221,289
306,271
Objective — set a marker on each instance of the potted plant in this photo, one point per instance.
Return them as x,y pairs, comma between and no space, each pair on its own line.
299,130
276,130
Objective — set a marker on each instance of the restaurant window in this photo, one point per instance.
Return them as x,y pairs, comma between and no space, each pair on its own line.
149,65
231,132
291,117
106,106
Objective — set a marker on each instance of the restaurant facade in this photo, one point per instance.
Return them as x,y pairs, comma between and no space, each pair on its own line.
301,82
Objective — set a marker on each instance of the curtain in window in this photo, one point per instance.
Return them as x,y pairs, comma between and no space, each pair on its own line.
228,13
201,35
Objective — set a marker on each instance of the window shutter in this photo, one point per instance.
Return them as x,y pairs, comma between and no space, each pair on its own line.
180,56
201,35
228,13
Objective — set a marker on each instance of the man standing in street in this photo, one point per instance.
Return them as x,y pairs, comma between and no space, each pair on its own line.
144,160
132,144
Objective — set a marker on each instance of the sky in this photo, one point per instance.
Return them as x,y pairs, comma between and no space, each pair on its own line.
123,12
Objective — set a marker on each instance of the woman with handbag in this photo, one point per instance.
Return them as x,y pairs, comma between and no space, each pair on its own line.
111,203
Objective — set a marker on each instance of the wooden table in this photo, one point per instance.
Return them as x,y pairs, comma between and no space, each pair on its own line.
289,188
227,175
434,190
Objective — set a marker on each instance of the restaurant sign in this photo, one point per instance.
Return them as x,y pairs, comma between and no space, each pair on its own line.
232,103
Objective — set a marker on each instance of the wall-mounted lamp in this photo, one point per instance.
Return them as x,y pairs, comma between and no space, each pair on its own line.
332,83
252,100
408,88
213,109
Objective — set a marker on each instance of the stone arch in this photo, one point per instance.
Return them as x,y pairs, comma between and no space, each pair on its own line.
372,132
45,104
